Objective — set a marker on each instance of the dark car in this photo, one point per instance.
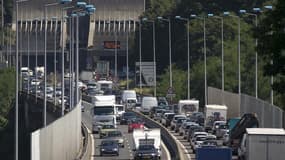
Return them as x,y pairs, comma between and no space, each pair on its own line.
169,119
109,147
146,152
193,129
127,116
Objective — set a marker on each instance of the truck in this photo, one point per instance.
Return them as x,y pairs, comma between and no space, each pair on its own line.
103,112
102,69
262,144
206,153
86,76
248,120
187,107
147,137
214,113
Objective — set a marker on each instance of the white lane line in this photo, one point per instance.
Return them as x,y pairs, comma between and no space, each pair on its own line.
92,144
166,150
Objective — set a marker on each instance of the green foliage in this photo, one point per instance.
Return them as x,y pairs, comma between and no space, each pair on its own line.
7,94
213,40
179,83
271,44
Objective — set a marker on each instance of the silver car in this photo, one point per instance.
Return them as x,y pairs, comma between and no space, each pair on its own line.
116,135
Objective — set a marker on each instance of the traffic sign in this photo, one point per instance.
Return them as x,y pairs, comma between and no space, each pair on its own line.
170,92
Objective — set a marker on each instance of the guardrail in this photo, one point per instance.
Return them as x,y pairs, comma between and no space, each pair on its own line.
85,150
168,139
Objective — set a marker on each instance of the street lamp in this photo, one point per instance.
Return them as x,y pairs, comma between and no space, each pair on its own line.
89,9
55,50
205,54
154,53
169,40
271,62
256,10
17,83
239,72
140,54
188,55
45,55
222,38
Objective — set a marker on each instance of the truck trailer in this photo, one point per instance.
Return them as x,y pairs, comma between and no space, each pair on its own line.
262,144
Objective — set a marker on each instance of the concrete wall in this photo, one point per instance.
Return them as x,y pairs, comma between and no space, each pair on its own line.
268,115
60,140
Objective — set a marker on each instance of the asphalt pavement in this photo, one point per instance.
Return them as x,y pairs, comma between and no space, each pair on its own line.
126,153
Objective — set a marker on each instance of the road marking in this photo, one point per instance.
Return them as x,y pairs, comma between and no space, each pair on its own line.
92,144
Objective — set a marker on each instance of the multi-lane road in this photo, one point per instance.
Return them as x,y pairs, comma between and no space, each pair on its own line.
126,153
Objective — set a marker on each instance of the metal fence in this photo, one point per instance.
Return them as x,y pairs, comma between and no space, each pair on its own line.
59,140
268,115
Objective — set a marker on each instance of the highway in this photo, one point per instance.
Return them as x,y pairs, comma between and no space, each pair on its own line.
126,153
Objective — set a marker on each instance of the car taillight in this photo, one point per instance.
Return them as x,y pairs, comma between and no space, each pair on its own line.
141,126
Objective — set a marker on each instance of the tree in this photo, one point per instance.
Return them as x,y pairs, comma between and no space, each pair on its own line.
271,37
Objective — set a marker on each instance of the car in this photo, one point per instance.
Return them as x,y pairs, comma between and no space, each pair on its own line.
197,141
221,130
35,82
158,114
185,126
226,139
109,147
49,95
178,124
116,135
146,151
105,128
209,144
162,101
193,129
135,124
174,120
216,125
195,134
58,91
127,116
167,118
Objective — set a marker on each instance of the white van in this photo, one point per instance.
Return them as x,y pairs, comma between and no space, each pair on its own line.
148,103
128,94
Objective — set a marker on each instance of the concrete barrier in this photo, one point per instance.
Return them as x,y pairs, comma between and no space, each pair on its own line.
59,140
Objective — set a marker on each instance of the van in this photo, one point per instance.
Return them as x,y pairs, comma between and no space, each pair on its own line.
147,104
128,95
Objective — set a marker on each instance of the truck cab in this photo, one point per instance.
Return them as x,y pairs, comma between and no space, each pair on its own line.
187,107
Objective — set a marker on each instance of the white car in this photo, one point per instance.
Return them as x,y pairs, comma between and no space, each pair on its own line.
195,134
198,141
35,82
174,120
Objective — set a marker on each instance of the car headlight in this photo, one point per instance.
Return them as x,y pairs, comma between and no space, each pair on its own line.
153,154
102,149
140,154
115,149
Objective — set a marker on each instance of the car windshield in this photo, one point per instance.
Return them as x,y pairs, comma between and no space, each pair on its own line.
108,127
170,116
146,147
129,114
200,138
108,143
107,110
114,134
210,143
136,121
120,108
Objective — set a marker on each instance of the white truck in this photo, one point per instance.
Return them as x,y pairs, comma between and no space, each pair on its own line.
262,144
214,113
187,107
147,136
104,111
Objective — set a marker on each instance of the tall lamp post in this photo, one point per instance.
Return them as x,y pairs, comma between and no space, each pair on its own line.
188,54
222,39
170,56
140,53
205,55
154,53
45,55
239,64
256,10
17,83
54,62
